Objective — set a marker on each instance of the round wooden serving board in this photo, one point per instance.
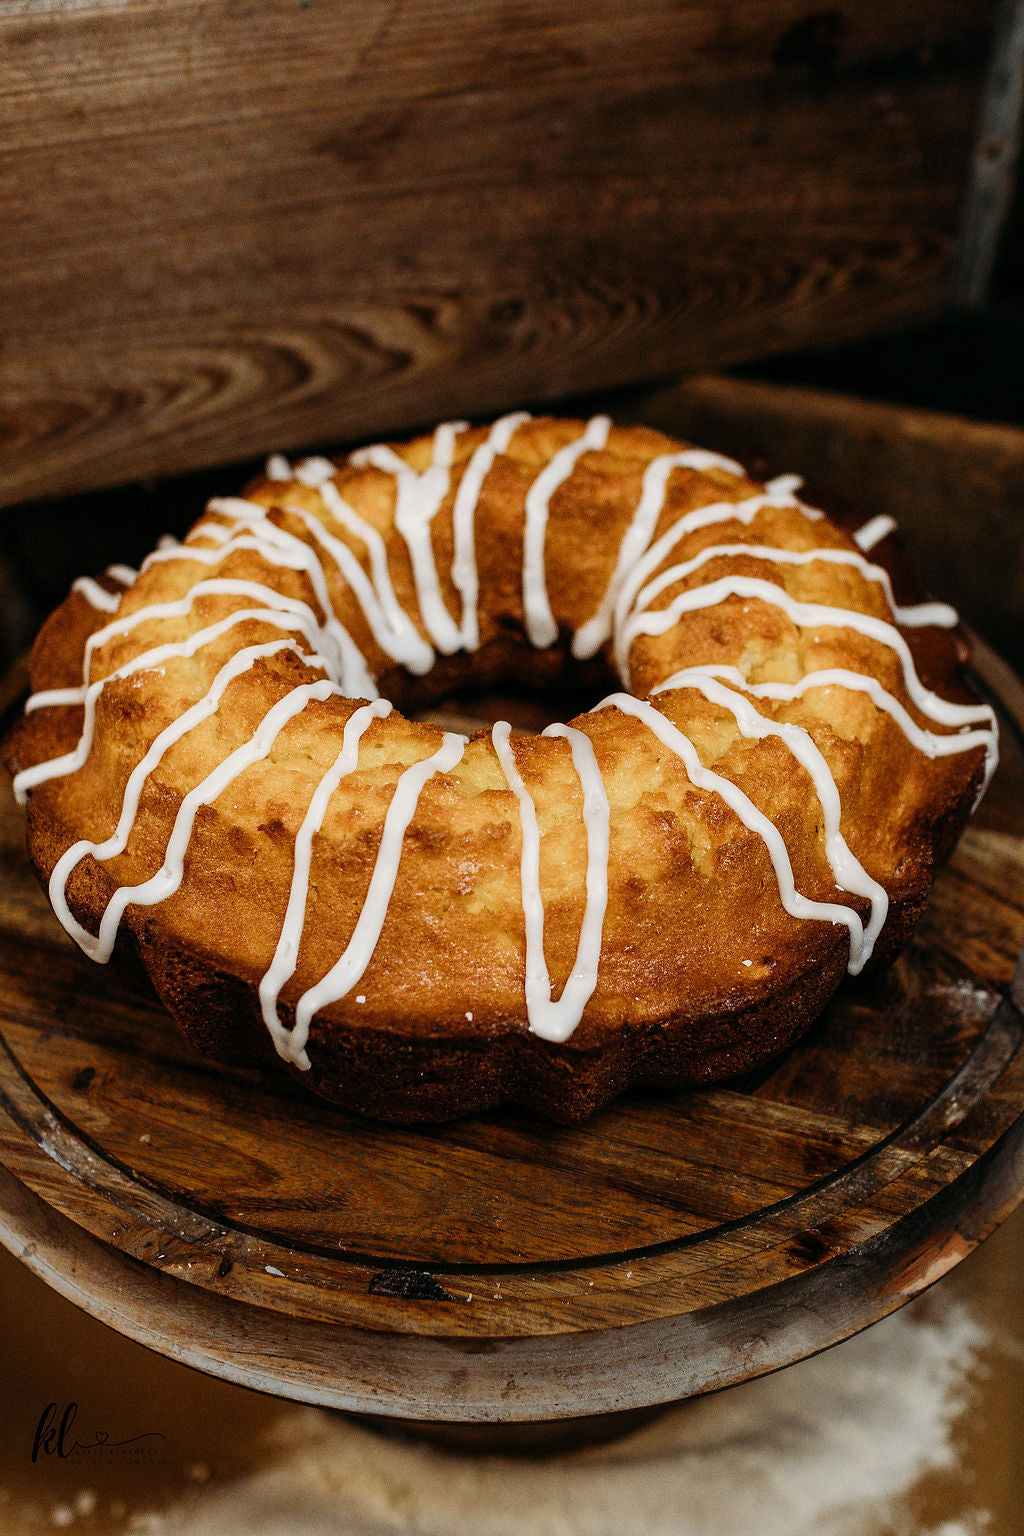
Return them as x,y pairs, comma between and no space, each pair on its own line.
500,1269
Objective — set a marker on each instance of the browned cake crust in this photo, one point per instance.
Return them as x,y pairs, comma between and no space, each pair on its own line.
702,972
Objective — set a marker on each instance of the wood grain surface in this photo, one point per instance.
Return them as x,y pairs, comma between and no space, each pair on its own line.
232,226
498,1268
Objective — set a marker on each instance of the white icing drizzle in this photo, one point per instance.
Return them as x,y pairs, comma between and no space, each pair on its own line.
810,615
926,742
315,471
913,616
418,498
387,620
286,956
850,874
590,636
274,544
346,971
280,611
623,612
168,877
541,628
351,664
548,1018
874,531
704,778
224,545
97,596
788,485
464,572
778,493
71,762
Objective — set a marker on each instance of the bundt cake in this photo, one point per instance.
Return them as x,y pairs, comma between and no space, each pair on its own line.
667,890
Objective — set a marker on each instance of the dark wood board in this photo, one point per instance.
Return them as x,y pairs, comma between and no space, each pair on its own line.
675,1243
230,226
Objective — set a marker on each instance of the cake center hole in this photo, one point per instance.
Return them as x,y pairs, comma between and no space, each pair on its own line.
528,710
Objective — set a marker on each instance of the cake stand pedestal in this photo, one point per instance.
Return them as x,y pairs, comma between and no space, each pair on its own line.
499,1270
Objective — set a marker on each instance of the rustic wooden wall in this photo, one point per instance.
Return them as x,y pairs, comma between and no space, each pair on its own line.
227,226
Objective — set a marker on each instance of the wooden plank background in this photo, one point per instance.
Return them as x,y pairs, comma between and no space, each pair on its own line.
226,226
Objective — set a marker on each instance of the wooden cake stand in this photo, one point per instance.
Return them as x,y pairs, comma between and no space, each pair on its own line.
499,1269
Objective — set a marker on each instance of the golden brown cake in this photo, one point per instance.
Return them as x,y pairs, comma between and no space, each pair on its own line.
667,890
